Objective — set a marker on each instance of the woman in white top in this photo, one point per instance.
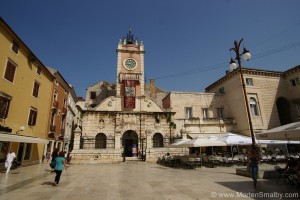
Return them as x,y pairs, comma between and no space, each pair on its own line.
9,159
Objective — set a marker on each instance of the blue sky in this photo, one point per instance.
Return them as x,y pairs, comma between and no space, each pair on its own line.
187,42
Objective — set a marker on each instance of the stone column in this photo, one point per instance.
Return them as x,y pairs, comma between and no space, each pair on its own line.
148,138
77,134
117,139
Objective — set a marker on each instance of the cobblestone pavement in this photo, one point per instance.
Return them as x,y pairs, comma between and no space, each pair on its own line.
136,181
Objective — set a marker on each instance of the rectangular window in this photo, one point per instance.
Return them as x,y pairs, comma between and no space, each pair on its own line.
28,151
36,87
10,71
205,113
32,117
93,95
188,113
221,90
52,118
249,81
55,95
65,103
221,113
4,106
294,81
39,70
15,47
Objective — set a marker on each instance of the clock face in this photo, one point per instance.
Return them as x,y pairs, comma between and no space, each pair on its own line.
130,63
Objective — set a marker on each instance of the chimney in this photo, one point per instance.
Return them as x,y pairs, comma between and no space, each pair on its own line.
227,72
152,89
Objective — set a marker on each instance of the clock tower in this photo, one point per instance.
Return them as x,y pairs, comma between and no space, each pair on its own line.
130,71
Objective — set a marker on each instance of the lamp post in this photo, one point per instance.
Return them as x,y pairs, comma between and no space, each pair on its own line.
22,128
247,56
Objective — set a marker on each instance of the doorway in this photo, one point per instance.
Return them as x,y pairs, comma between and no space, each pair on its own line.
20,153
284,112
130,143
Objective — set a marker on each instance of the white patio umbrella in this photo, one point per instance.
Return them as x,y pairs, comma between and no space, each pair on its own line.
202,142
289,132
177,143
234,139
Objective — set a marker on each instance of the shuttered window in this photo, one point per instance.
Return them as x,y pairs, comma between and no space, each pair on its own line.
4,106
10,71
36,87
32,117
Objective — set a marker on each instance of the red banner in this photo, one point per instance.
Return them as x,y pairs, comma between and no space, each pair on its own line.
129,91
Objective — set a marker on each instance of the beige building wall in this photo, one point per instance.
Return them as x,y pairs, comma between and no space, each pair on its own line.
198,123
21,89
267,87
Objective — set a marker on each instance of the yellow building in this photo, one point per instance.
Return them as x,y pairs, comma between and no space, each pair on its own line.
25,97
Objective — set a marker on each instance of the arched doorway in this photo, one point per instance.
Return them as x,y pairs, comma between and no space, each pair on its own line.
130,143
100,141
284,112
158,140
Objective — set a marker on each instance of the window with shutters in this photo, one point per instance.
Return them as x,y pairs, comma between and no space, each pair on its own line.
36,87
32,117
39,70
4,106
15,47
10,71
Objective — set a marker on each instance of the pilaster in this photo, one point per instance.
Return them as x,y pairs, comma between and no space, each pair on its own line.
77,134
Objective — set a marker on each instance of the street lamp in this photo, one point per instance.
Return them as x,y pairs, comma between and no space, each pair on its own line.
22,128
247,56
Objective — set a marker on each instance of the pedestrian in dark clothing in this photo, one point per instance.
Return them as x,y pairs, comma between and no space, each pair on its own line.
60,165
253,165
54,154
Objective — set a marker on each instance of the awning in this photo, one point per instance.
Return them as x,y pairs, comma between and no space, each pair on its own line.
289,132
5,137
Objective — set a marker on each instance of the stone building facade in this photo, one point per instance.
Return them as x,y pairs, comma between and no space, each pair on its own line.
129,118
199,113
124,119
273,96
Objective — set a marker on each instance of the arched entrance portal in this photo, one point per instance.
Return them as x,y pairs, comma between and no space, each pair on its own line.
283,107
130,143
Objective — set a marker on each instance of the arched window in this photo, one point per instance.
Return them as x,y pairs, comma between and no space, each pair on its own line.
100,142
158,140
253,107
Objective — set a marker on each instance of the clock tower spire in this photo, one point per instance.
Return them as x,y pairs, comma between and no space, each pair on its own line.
130,70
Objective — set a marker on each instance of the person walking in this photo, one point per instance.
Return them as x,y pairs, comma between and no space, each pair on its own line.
60,165
253,165
10,157
54,154
53,159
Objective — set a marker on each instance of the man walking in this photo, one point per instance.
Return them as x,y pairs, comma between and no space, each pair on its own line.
9,159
